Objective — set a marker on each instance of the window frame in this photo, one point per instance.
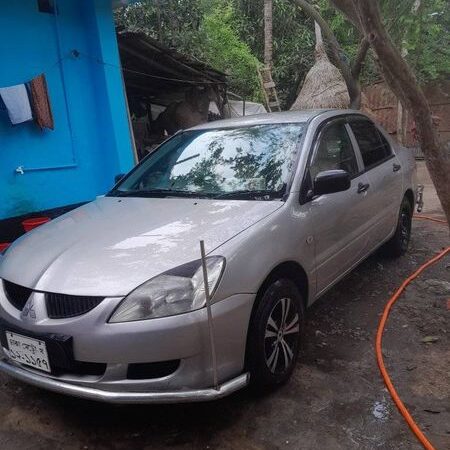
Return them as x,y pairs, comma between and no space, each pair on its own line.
358,118
304,198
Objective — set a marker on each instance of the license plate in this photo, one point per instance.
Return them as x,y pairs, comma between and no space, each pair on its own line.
29,351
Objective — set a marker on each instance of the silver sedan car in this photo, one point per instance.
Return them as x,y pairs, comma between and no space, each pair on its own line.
191,278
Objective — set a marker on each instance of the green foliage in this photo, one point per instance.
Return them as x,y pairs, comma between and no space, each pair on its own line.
229,35
175,23
224,50
423,33
347,35
293,41
204,30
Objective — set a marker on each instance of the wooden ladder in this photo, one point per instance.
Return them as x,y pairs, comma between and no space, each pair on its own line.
268,88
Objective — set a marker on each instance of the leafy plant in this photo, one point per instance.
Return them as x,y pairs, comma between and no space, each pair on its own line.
225,51
175,23
293,41
422,30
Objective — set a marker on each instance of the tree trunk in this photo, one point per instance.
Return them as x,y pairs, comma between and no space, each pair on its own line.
403,83
268,33
402,123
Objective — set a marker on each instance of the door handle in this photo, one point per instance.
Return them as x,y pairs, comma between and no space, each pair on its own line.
396,167
363,187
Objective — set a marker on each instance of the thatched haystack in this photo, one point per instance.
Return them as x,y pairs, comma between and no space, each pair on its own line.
324,86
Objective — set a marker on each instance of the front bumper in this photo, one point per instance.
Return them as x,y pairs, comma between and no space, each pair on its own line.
117,347
186,396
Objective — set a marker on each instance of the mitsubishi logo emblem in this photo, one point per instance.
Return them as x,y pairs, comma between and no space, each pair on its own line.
28,310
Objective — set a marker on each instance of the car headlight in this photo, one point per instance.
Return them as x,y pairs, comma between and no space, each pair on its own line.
177,291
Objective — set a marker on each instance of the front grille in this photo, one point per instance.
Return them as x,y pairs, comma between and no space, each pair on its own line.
59,306
17,295
62,306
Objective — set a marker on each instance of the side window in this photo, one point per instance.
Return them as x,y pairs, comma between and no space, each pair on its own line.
373,145
335,151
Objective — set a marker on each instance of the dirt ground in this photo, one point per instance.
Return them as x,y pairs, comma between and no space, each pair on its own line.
335,400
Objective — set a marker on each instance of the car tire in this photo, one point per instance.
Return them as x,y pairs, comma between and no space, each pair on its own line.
275,334
398,244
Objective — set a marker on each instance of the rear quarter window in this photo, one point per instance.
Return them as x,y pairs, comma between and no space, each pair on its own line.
373,145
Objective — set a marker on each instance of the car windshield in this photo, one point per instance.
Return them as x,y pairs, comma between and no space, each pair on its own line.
252,162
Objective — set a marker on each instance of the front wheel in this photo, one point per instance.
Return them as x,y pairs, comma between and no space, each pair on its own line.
398,244
275,333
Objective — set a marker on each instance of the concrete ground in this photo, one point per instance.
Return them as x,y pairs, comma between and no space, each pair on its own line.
335,399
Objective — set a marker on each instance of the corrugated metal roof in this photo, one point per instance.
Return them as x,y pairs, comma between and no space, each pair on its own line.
150,67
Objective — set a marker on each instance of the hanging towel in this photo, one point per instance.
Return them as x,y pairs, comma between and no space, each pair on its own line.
17,103
40,102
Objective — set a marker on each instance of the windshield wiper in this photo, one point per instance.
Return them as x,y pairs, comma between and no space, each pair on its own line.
181,161
253,194
159,193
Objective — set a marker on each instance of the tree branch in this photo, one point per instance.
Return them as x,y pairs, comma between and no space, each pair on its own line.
358,63
347,8
403,83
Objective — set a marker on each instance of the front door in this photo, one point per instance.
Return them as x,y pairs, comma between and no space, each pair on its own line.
340,220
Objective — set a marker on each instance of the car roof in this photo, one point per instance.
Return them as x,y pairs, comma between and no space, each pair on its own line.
262,119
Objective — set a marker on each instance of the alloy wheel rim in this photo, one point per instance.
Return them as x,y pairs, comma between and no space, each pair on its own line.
281,336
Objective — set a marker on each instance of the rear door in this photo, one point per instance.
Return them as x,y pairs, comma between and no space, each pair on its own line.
339,220
384,173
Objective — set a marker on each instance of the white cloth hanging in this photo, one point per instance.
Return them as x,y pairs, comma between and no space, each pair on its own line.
17,103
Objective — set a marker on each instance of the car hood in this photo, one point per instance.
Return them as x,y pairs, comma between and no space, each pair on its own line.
112,245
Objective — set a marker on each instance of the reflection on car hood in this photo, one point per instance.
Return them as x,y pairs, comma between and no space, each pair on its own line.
112,245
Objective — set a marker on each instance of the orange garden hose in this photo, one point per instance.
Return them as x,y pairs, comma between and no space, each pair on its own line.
433,219
378,344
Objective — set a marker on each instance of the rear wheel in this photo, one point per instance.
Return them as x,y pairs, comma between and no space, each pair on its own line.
275,332
398,244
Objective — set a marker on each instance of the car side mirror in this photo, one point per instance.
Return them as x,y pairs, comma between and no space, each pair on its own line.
118,177
331,181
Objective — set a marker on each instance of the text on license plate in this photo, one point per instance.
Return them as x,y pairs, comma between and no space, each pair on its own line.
29,351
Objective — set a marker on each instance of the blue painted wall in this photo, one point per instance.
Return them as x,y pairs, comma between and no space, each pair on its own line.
91,141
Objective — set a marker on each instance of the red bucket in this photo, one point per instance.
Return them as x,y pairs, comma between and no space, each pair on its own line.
34,222
3,246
